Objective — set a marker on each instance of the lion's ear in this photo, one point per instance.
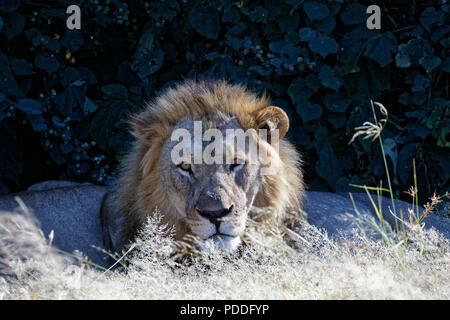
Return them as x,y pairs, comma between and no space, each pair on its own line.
272,118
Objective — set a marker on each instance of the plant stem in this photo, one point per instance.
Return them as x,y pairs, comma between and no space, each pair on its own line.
387,175
385,162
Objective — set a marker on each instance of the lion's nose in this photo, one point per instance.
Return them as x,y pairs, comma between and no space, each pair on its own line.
215,215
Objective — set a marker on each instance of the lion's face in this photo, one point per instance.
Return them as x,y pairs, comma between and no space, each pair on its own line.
212,198
209,196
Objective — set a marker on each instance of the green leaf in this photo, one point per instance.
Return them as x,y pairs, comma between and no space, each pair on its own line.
47,63
30,106
105,121
155,61
430,63
300,136
8,84
405,158
428,17
352,45
390,150
9,6
20,67
146,40
371,80
316,10
89,106
66,147
231,15
402,60
404,99
57,157
308,111
307,34
353,14
445,66
328,166
287,51
37,121
260,70
318,43
418,48
324,45
72,40
337,120
288,23
258,15
421,83
329,78
419,98
299,91
380,48
13,24
205,21
325,25
312,80
439,31
69,76
445,42
167,9
115,90
336,101
147,63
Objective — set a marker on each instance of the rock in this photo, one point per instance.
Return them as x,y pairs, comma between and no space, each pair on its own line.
72,212
53,184
333,211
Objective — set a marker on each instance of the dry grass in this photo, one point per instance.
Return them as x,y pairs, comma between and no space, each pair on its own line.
299,264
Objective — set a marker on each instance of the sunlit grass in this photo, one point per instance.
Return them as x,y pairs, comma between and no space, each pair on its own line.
400,234
301,262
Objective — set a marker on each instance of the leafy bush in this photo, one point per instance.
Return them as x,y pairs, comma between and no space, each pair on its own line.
64,94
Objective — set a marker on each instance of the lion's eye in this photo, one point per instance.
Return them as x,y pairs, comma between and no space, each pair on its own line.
185,167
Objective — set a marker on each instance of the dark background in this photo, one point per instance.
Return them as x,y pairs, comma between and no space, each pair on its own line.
64,95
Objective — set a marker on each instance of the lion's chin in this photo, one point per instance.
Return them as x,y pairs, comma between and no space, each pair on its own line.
227,244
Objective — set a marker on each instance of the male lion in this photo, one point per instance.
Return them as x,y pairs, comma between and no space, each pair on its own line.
208,200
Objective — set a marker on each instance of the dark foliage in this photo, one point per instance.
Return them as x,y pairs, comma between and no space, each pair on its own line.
64,95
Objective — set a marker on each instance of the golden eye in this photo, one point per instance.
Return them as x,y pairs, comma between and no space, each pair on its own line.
185,166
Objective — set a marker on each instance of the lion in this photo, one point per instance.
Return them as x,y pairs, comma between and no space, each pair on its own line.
210,201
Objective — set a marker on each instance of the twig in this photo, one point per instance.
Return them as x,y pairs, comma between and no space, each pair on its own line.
295,7
115,263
